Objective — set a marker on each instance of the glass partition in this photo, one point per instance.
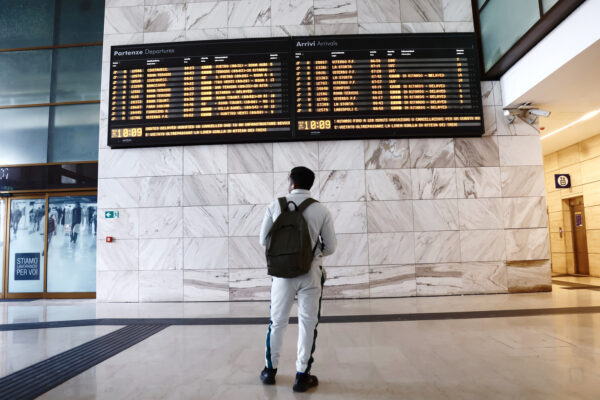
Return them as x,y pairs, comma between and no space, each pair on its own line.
26,245
73,134
2,225
72,244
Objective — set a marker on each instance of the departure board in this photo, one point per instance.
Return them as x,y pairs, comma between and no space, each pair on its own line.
299,88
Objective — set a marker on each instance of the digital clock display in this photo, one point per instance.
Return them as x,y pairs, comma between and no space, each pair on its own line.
299,88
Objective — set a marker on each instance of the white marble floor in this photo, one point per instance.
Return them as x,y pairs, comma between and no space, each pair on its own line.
540,357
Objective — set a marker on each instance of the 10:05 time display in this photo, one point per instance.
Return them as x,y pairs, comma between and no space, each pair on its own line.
126,132
314,124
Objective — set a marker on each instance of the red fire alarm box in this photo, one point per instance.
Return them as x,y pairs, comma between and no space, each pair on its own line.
109,239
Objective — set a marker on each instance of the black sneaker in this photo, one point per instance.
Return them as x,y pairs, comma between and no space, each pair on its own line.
267,376
304,382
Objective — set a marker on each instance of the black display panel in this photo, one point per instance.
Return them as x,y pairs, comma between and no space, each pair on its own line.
299,88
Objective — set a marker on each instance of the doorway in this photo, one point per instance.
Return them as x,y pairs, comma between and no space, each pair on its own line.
580,250
49,249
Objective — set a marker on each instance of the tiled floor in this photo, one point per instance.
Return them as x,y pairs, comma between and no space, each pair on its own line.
540,357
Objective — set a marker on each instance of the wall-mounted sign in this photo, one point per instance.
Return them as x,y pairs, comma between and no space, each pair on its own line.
562,181
298,88
578,219
111,214
27,266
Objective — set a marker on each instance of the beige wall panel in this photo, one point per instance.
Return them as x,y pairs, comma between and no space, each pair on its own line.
553,201
593,241
551,162
559,263
590,170
555,221
592,217
557,243
590,148
568,156
591,194
594,260
570,260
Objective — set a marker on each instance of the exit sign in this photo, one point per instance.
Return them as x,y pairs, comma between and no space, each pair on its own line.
111,214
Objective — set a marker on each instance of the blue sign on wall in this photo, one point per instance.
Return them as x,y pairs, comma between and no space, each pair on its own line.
562,181
27,266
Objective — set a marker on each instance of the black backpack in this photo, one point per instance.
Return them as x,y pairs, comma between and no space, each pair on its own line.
289,249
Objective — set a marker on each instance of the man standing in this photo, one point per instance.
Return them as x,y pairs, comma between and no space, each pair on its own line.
308,287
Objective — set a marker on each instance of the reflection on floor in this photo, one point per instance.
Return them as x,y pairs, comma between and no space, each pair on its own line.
540,357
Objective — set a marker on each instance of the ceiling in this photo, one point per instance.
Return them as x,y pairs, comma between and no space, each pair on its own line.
569,93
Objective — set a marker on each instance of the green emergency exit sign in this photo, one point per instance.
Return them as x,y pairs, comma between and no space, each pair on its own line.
111,214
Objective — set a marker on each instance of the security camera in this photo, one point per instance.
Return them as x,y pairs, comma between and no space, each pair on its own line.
539,113
510,117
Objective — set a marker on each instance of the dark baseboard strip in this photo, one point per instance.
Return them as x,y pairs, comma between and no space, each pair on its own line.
574,284
39,378
327,319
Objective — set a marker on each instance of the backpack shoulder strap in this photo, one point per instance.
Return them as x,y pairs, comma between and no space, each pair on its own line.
282,203
306,203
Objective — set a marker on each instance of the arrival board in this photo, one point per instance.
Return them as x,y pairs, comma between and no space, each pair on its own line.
335,87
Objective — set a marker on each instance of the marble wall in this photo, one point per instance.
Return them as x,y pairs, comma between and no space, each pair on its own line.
414,217
582,162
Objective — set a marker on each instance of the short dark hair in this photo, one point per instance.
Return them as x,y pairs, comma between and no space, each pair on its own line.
302,177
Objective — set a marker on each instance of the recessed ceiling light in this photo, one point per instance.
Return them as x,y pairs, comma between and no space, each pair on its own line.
587,116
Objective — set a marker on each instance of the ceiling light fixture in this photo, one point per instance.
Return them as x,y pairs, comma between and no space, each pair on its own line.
587,116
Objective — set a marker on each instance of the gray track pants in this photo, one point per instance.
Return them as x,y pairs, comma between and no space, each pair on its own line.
309,288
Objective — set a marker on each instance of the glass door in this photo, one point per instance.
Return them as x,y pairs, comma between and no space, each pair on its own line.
72,244
26,249
2,228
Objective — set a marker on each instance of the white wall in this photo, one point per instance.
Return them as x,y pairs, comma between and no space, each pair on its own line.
413,217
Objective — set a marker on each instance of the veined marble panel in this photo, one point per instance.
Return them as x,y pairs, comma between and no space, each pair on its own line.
497,93
292,30
390,216
520,150
391,248
502,127
160,191
346,282
154,161
432,153
477,152
378,11
348,217
206,34
342,186
492,121
523,128
457,10
527,244
124,3
102,134
484,277
439,279
124,227
204,15
123,20
522,181
246,220
159,2
249,284
389,27
249,13
335,11
299,12
162,18
120,255
392,281
287,155
487,93
341,155
435,215
433,183
249,32
206,221
118,192
421,10
246,252
250,188
205,253
282,185
389,184
163,222
480,214
390,153
467,26
161,285
525,212
205,160
161,254
529,276
484,245
205,190
250,157
351,250
422,27
117,286
164,37
436,247
478,182
206,285
336,29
